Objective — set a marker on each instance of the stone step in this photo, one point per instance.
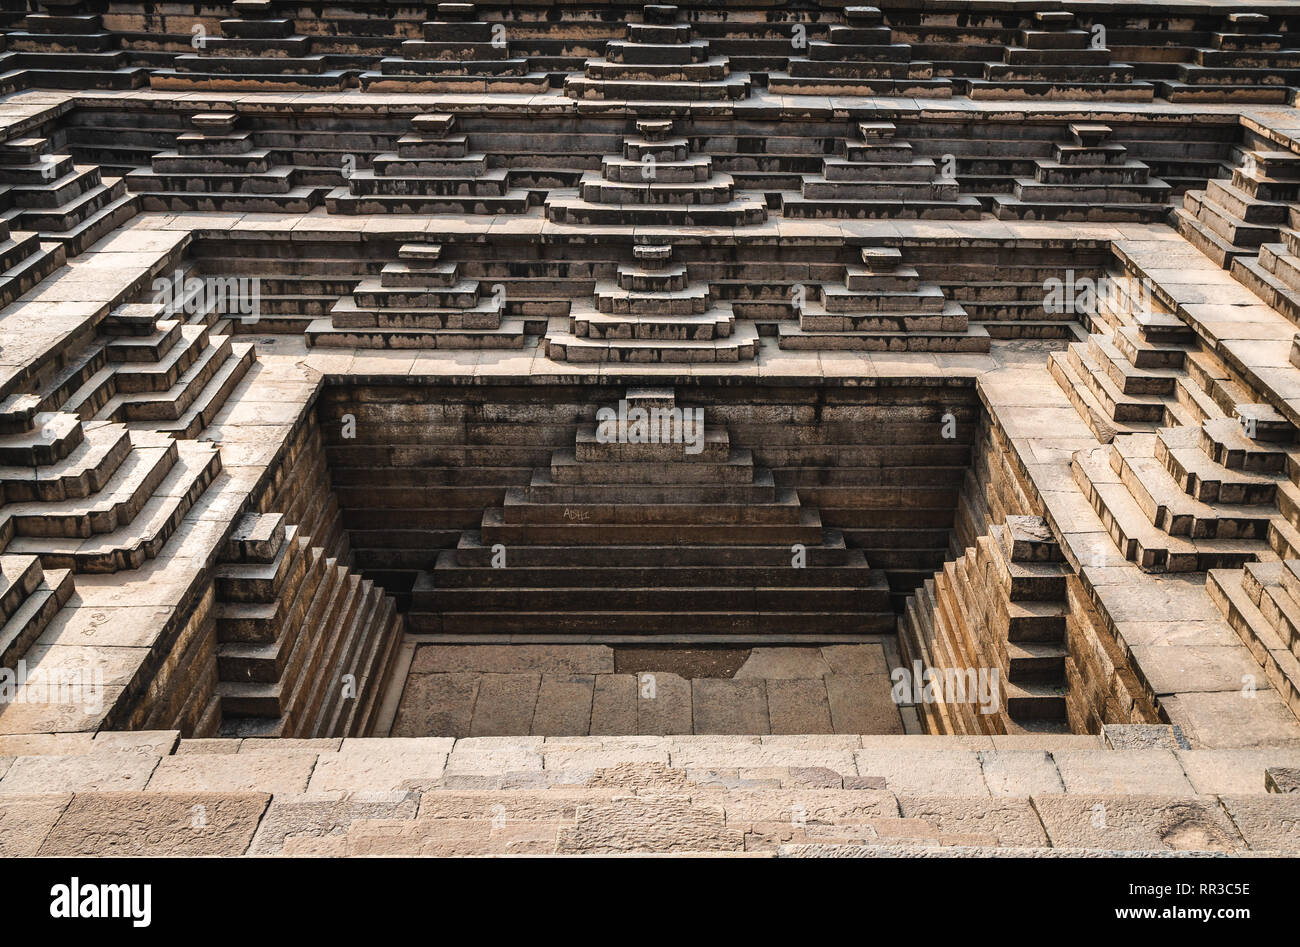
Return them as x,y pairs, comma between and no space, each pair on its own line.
975,338
1225,443
520,507
171,403
575,211
495,529
816,318
24,625
828,551
1262,582
1130,343
130,545
1280,665
426,596
1127,377
510,334
83,472
1170,509
450,573
715,323
651,623
736,467
740,345
51,438
1198,476
1152,549
715,448
1116,405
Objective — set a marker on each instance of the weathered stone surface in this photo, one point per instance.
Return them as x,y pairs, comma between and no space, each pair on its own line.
326,814
1268,821
934,772
158,824
25,821
279,773
381,765
91,772
649,824
1137,822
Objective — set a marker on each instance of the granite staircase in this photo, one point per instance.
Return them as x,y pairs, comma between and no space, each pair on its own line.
882,306
458,52
651,312
1088,178
1194,471
1274,275
93,496
257,51
1235,218
658,61
24,260
999,610
303,643
1262,604
65,45
1247,61
419,301
165,364
656,180
45,192
216,166
859,57
674,533
30,597
879,176
1056,60
433,171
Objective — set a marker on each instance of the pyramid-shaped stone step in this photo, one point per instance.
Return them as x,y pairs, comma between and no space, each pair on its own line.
50,438
736,467
494,529
131,485
521,506
473,551
653,277
715,323
83,472
408,274
611,297
23,624
131,544
1139,541
1225,442
1198,476
376,294
1169,508
645,150
591,445
453,571
418,147
484,315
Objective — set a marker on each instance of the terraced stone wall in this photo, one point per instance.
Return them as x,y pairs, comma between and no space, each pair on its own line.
426,462
1028,616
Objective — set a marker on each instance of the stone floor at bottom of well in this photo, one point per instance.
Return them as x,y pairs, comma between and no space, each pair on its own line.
579,690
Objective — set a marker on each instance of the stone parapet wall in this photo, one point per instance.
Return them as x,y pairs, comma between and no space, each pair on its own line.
134,794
